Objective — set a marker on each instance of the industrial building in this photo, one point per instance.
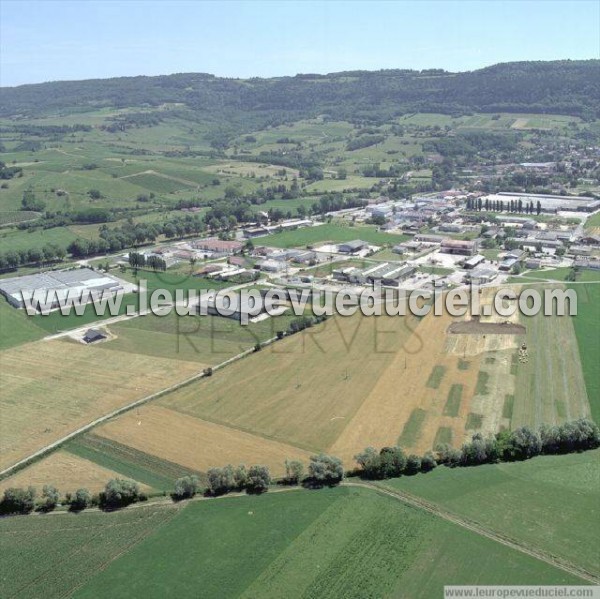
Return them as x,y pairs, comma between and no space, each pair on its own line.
457,246
238,307
52,287
548,203
473,261
218,246
482,276
352,247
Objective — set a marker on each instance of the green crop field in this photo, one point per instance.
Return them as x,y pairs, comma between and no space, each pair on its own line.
52,557
129,462
330,232
343,542
525,501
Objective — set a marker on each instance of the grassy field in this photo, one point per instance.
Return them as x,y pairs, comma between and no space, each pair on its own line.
16,327
13,239
585,325
525,501
206,339
332,543
593,222
329,232
74,549
129,462
157,431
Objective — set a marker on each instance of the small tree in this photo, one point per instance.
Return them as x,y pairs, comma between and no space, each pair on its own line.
413,464
294,471
18,501
221,480
258,480
51,496
240,477
428,462
325,469
186,487
80,500
369,462
119,493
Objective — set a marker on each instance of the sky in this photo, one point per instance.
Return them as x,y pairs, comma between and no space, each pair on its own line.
85,39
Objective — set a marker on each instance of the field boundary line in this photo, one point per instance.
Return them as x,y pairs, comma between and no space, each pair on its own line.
126,408
479,529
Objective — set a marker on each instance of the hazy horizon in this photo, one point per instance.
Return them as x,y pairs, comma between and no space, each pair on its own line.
70,41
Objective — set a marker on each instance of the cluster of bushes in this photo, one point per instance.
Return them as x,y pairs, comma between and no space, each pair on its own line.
8,172
255,479
392,462
507,446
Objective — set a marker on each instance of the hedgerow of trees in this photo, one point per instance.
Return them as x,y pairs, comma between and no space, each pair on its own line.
325,470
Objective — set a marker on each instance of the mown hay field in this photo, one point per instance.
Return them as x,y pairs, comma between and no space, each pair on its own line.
50,388
194,443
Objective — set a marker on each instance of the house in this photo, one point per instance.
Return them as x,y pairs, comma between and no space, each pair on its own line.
93,335
251,232
591,239
237,307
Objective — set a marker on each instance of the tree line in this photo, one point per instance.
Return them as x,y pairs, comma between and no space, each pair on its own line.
322,470
517,206
506,446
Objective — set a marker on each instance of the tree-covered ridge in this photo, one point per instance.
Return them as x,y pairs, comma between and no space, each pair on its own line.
559,87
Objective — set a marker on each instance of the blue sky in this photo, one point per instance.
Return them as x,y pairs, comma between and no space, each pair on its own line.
48,40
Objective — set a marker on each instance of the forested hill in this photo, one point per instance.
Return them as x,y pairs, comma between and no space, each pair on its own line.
559,87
